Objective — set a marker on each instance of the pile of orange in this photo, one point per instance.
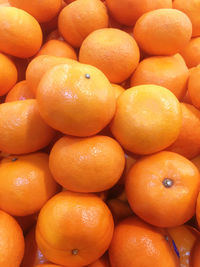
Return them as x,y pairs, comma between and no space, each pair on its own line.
99,133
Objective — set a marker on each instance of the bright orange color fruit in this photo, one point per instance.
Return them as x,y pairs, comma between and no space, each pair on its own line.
91,164
80,229
188,142
195,256
25,184
136,243
20,91
76,99
127,12
8,74
58,48
112,51
194,87
12,241
43,11
118,89
22,130
167,71
15,40
163,31
147,119
39,65
169,183
191,52
198,210
77,20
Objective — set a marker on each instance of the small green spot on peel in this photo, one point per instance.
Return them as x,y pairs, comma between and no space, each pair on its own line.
75,251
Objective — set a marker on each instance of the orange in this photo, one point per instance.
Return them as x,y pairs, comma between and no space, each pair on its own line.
191,9
163,31
118,90
22,130
43,11
147,119
4,3
39,65
112,51
196,161
80,229
21,176
32,255
102,262
20,91
129,161
136,244
184,237
76,99
188,142
194,87
91,164
195,257
47,265
120,209
167,71
162,189
12,241
128,11
58,48
15,40
191,52
8,74
77,20
198,210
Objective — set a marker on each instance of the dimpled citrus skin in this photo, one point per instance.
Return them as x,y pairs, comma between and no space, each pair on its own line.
20,91
167,206
163,31
15,41
147,119
80,229
22,128
112,51
74,103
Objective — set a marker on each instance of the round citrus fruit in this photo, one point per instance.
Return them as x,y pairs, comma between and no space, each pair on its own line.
20,91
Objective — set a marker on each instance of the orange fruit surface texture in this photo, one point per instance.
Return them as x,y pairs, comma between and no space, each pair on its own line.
147,119
80,229
20,91
136,243
12,241
113,51
92,164
24,175
20,33
77,20
169,183
22,128
68,105
163,31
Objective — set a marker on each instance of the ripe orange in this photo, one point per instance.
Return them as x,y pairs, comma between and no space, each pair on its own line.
8,74
163,31
188,142
43,11
32,255
184,237
91,164
128,11
191,52
80,229
169,183
4,3
167,71
22,130
136,243
76,99
25,184
102,262
147,119
112,51
39,65
118,89
77,20
191,9
194,87
20,91
58,48
195,256
12,241
198,210
15,40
